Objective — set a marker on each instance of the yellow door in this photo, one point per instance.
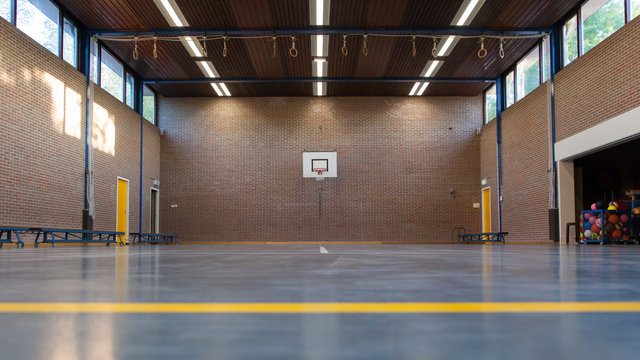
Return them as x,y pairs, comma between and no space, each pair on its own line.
486,210
122,220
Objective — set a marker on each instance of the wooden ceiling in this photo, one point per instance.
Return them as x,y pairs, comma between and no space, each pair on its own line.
388,57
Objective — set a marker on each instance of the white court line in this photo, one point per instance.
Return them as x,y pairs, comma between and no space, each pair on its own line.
323,250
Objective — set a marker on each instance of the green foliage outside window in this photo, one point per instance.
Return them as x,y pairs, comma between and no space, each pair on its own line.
604,22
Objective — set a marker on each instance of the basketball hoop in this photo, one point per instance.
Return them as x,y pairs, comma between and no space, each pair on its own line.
319,171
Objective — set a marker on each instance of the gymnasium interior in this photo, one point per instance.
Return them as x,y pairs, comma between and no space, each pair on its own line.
319,179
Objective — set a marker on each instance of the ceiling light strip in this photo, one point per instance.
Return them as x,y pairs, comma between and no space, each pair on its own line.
171,13
423,88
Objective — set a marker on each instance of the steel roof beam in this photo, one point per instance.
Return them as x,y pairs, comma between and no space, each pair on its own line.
316,79
320,30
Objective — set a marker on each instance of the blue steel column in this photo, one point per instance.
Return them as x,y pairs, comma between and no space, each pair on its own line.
85,45
139,108
555,67
500,101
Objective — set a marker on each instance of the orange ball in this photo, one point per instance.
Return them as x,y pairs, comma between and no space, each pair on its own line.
613,219
617,234
595,229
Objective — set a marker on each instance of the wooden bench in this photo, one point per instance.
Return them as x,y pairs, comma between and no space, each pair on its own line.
54,236
144,238
6,235
483,237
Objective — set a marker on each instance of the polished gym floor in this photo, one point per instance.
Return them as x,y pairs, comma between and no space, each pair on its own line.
320,302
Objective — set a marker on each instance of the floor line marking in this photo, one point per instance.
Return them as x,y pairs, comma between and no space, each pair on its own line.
323,250
303,308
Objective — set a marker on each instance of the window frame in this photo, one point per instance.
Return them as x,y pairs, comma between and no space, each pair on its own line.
484,107
577,12
518,96
155,105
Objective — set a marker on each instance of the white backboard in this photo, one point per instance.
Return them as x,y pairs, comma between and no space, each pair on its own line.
309,156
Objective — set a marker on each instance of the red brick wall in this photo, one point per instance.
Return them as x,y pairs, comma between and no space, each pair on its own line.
42,127
489,168
233,167
599,85
41,149
603,83
525,160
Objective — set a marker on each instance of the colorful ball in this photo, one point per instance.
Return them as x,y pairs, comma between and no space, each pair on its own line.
624,218
594,236
625,237
619,226
592,220
614,204
617,234
599,222
609,228
587,234
595,229
594,207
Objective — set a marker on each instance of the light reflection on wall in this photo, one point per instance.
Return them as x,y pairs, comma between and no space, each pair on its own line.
104,130
73,113
66,109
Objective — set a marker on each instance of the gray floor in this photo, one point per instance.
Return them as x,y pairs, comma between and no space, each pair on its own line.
300,273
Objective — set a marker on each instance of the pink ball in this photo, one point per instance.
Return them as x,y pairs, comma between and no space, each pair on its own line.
593,206
624,218
599,222
587,216
592,220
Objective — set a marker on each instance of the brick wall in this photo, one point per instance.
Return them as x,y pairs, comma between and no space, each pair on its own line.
231,169
525,160
599,85
489,168
42,127
603,83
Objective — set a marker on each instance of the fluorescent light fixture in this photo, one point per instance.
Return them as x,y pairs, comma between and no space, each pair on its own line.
423,88
224,89
193,46
171,12
319,12
320,67
319,45
207,68
319,89
433,67
217,89
414,89
468,10
445,46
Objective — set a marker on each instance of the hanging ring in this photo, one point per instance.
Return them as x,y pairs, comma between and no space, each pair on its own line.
345,51
224,49
501,49
482,52
365,50
434,51
135,49
293,52
413,46
155,47
204,46
273,39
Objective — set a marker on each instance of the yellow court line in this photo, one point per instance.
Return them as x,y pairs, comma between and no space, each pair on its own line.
304,308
